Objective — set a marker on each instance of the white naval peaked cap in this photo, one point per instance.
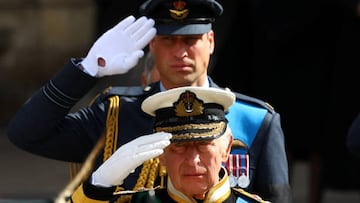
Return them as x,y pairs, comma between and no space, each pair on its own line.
190,113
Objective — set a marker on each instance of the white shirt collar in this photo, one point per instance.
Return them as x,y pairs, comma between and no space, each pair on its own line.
218,193
206,84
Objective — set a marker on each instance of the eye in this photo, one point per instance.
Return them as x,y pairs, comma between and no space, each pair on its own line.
204,145
166,40
192,39
201,143
165,37
178,144
178,147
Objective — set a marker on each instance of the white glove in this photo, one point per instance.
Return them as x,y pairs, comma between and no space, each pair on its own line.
128,157
119,49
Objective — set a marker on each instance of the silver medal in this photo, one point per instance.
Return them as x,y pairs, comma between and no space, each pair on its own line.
232,180
243,181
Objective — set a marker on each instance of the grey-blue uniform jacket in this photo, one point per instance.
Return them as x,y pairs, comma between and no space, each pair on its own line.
44,126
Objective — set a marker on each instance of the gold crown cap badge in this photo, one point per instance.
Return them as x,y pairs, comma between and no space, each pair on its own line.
188,105
179,12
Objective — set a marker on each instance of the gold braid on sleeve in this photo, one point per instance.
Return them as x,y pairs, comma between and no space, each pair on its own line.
149,172
150,169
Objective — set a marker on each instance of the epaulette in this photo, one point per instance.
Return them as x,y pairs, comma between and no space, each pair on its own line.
131,91
126,91
254,101
245,118
248,196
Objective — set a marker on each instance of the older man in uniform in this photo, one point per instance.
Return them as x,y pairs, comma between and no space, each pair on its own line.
192,165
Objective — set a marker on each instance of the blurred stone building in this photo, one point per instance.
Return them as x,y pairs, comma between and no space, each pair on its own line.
36,38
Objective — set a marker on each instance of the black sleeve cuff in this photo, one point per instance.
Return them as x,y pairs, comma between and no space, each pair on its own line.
98,193
69,85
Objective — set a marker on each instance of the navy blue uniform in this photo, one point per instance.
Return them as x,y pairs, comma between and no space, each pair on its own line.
45,127
161,196
220,192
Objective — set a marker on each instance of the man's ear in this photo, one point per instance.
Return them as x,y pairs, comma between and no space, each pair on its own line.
211,37
143,79
228,149
161,160
151,45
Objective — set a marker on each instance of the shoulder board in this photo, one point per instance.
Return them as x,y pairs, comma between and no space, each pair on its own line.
124,91
251,100
240,193
131,91
245,117
254,101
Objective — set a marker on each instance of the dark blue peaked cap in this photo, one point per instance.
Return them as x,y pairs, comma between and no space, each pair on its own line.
182,17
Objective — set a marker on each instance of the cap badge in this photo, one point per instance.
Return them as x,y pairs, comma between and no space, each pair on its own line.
179,12
188,105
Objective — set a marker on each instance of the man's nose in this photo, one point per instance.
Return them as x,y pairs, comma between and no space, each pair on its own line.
180,48
192,156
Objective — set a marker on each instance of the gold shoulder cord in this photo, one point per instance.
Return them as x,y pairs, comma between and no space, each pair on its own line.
254,197
111,127
150,169
111,132
74,168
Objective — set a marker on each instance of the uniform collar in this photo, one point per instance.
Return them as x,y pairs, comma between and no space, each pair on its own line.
207,84
218,193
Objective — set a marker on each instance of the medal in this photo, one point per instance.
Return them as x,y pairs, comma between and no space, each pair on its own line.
233,181
238,169
230,168
243,181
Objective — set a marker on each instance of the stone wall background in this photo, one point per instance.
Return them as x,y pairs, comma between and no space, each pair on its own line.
36,38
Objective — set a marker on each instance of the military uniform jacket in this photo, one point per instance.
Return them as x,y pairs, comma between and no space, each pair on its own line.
220,193
44,126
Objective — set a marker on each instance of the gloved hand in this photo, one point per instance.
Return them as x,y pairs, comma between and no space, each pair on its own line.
128,157
120,48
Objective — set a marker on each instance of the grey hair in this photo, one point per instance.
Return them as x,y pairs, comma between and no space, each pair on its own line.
226,137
